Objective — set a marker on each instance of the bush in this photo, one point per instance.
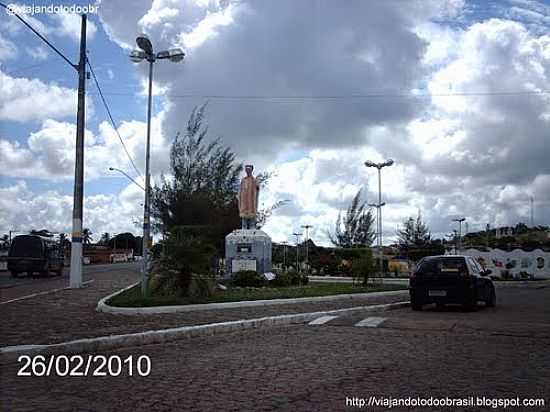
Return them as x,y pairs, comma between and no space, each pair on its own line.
362,268
247,278
290,278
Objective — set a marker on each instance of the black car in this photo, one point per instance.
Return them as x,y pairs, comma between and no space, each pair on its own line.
35,254
451,279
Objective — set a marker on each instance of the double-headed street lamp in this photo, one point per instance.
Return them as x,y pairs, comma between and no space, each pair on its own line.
459,243
137,56
379,205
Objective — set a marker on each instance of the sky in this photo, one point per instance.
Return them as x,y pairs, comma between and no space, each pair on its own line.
456,92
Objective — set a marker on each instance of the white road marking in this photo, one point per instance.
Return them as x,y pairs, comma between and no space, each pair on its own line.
371,322
42,293
322,320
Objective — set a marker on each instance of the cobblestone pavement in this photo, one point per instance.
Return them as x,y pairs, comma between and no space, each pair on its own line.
493,353
13,288
71,314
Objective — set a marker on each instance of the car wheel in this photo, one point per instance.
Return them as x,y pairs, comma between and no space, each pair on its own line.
415,305
471,305
492,301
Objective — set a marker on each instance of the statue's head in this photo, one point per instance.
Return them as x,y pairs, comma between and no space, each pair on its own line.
248,169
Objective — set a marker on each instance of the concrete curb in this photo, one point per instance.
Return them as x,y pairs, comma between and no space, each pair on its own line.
102,305
105,343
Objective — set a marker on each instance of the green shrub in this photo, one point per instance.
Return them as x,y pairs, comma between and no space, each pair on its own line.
363,267
291,278
247,278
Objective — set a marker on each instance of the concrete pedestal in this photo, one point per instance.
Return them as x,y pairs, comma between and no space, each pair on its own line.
247,249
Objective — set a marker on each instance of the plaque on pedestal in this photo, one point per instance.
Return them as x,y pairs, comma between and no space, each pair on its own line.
247,249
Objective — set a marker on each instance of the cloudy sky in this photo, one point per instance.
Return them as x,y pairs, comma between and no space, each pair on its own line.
456,92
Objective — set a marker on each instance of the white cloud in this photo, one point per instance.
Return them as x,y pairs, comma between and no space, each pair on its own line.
7,49
69,25
23,209
37,53
23,100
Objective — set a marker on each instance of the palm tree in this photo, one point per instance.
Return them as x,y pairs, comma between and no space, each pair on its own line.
87,235
105,238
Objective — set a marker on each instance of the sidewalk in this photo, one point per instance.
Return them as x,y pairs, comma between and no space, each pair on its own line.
71,314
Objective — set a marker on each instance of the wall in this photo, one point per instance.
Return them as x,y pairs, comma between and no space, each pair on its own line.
536,263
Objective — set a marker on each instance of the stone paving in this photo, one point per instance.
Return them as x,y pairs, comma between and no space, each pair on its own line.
71,314
493,353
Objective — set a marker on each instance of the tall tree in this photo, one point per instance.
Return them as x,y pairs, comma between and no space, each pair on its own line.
356,227
204,184
414,232
87,235
105,238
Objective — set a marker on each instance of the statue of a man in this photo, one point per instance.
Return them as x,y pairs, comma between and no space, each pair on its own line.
248,199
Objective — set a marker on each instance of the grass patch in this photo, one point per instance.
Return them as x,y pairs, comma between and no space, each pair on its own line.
132,297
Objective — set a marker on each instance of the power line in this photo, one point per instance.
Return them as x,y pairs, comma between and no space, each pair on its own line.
111,117
343,97
74,66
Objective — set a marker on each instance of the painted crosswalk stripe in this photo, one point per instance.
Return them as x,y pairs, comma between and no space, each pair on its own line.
322,320
371,322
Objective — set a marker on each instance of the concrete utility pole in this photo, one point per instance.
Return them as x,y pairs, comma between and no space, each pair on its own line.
532,201
297,250
78,199
378,207
76,239
307,227
459,242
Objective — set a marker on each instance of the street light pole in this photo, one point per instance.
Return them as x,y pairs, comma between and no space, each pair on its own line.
284,243
128,176
297,251
307,227
146,53
378,206
459,243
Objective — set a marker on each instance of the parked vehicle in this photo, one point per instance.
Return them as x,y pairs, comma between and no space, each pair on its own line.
35,254
451,279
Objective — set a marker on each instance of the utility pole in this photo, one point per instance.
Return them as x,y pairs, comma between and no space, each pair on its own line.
76,238
307,227
76,241
297,251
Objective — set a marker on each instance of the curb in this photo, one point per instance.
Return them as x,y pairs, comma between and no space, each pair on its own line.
104,343
102,305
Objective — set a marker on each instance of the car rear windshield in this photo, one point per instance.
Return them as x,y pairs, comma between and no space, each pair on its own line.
26,247
450,266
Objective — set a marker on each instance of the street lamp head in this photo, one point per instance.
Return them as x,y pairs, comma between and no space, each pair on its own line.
111,168
368,163
137,56
144,44
389,162
175,55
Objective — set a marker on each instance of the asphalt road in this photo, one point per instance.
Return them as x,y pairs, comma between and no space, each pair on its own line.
499,353
14,288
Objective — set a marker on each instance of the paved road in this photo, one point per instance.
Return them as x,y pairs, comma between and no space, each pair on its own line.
495,353
71,314
13,288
